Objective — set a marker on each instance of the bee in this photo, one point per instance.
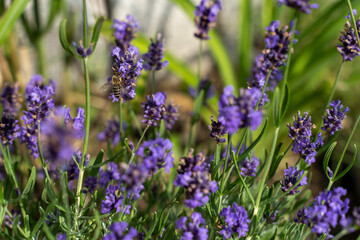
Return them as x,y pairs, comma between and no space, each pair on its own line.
115,85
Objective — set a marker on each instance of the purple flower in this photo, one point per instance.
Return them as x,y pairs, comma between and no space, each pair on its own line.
194,176
260,70
348,46
235,221
277,45
113,202
356,215
153,58
61,236
124,32
9,129
194,228
29,136
239,112
218,129
205,17
111,132
301,134
76,123
126,68
170,115
153,108
325,211
132,178
300,5
292,176
39,100
156,154
111,173
11,99
82,51
349,16
120,231
334,117
249,167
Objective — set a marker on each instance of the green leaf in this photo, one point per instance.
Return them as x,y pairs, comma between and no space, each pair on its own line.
55,8
30,184
97,161
276,107
151,230
197,107
96,32
49,190
8,188
275,161
327,158
8,20
348,167
63,39
41,220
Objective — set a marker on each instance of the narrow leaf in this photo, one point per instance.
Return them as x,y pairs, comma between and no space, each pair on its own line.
30,184
327,158
348,167
63,38
98,160
276,107
96,31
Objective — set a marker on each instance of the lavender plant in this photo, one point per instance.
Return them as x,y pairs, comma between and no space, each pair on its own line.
58,183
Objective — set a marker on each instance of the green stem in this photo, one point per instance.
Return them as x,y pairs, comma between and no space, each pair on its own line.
41,156
121,119
266,171
343,154
85,25
41,56
288,61
199,61
138,144
86,140
353,21
263,90
153,82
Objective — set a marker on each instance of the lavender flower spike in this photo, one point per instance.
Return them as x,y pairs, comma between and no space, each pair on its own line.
124,32
118,230
111,132
194,229
334,117
218,129
235,221
153,58
11,99
170,115
205,17
9,129
292,175
300,5
349,48
154,108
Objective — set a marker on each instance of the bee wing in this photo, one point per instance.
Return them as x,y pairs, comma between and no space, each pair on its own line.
106,89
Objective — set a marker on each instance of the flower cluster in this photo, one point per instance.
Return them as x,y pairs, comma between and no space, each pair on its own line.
9,128
300,5
292,176
111,132
110,173
126,68
118,231
205,17
239,112
300,132
325,211
59,133
124,32
334,117
11,99
192,229
349,48
218,129
153,108
81,50
235,221
194,176
153,58
170,115
249,167
39,100
277,45
114,202
156,154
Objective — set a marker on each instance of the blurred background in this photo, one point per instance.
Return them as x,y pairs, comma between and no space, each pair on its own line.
33,47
